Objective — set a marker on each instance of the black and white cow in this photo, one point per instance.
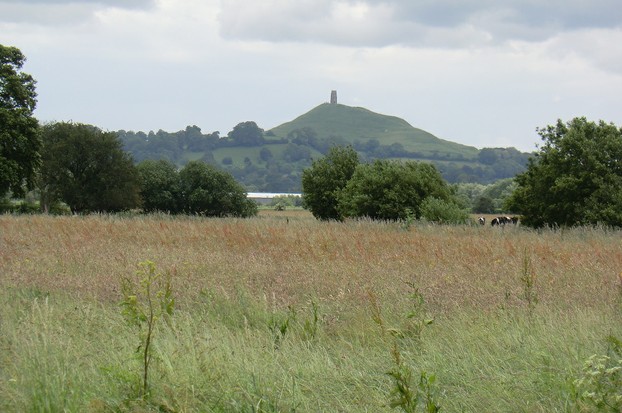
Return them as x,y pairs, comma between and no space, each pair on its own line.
481,220
501,221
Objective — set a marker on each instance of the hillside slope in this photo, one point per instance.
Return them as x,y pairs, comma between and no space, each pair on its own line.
359,124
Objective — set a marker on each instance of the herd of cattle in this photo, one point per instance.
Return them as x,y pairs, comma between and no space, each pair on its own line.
499,221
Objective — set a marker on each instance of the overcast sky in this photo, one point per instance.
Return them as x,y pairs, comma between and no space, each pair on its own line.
484,73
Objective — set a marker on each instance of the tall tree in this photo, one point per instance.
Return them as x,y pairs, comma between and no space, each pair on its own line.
87,169
575,178
19,138
325,179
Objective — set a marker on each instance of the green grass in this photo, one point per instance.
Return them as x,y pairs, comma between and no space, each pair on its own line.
281,316
66,354
352,123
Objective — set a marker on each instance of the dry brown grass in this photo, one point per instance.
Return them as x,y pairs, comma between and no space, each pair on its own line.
290,260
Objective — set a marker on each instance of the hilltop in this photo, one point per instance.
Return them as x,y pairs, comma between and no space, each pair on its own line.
358,125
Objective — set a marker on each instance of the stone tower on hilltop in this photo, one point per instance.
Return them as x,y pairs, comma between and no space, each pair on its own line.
333,97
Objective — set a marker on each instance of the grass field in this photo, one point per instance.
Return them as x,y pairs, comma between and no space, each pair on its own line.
282,313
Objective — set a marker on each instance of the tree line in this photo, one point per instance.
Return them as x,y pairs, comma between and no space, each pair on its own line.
275,164
88,170
574,179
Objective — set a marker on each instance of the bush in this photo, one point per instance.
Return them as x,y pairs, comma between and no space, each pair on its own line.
211,192
391,190
442,212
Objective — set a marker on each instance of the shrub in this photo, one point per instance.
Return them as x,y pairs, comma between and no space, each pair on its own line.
442,212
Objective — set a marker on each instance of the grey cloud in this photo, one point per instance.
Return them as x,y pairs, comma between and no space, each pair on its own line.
420,22
513,19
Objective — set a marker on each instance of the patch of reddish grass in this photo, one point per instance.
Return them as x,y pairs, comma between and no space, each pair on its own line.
290,261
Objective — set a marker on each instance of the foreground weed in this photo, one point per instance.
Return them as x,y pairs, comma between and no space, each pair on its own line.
528,281
416,318
405,394
376,311
279,326
410,218
147,297
600,386
310,327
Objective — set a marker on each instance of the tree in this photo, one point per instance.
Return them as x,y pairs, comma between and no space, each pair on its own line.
484,205
87,169
212,192
487,156
159,186
294,152
247,134
574,179
265,154
325,179
20,142
392,190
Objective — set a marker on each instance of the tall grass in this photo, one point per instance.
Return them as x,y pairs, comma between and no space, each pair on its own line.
493,347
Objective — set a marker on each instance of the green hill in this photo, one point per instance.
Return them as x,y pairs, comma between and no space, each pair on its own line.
355,124
273,161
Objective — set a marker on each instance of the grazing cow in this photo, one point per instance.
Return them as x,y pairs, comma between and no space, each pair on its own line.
481,220
501,221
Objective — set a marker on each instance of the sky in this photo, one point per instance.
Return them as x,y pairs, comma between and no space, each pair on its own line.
484,73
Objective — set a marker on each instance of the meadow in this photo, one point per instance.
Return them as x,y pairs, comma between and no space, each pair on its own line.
282,313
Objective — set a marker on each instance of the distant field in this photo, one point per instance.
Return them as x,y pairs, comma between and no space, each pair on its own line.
283,313
297,213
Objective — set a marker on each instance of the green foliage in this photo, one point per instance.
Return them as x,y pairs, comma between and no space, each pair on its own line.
247,134
600,386
279,325
286,201
528,281
323,182
408,396
391,190
295,153
355,123
87,169
20,142
484,205
278,157
311,326
265,154
443,212
159,186
20,207
212,192
147,298
575,179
